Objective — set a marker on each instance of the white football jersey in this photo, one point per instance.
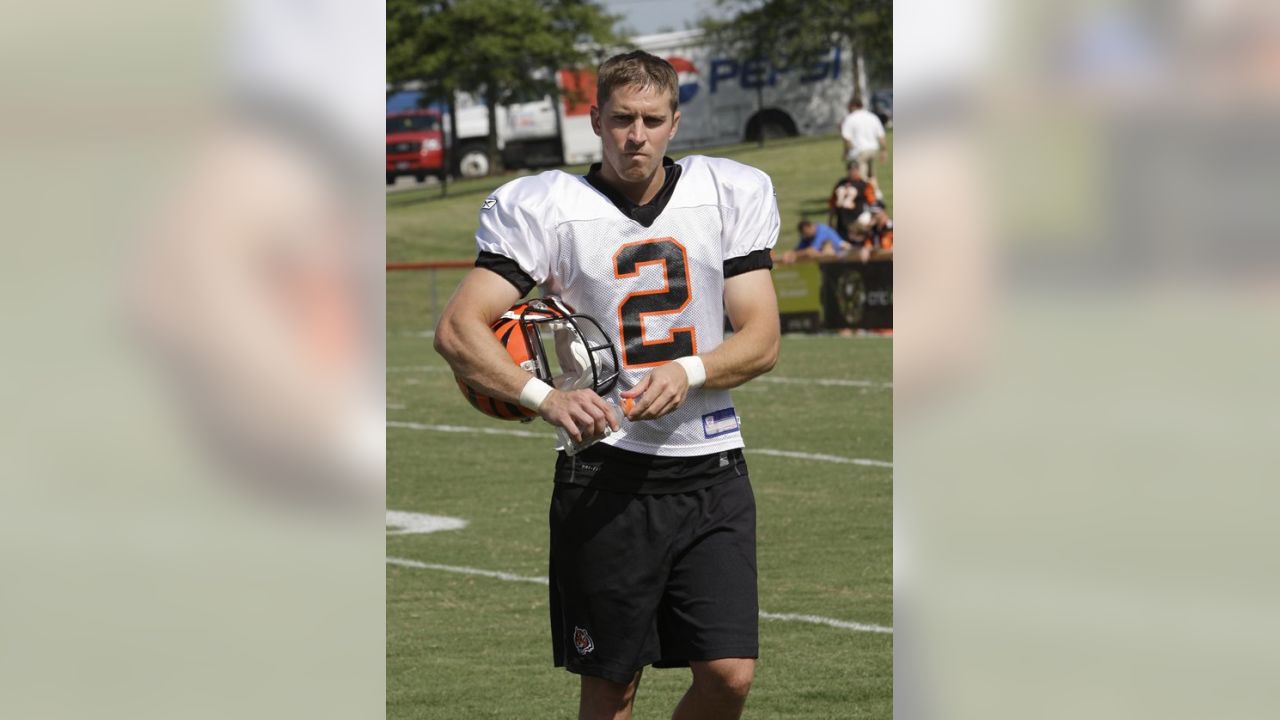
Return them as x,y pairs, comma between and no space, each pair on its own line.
658,291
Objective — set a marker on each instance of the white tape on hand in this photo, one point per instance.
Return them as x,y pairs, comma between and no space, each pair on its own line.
694,368
534,392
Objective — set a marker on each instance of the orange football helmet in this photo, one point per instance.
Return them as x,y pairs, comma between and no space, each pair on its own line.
582,355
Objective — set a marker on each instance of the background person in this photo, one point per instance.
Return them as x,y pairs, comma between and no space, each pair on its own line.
850,202
817,240
863,135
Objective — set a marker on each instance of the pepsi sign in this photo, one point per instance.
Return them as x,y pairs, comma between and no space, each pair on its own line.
753,74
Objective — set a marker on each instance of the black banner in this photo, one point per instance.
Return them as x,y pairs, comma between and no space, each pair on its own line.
857,295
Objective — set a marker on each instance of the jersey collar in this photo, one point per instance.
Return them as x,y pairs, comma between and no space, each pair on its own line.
644,214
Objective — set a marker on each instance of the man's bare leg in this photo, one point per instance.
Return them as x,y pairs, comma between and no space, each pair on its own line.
607,700
719,689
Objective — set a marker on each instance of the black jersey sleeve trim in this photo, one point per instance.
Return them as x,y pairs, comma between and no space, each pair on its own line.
508,269
755,260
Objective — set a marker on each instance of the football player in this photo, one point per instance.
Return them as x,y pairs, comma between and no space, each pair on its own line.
653,556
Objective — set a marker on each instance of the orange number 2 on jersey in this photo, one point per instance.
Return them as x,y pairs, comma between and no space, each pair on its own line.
671,298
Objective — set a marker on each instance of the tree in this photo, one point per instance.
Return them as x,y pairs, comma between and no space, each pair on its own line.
500,50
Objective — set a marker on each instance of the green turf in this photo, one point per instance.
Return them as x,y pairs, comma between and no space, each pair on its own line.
474,647
463,646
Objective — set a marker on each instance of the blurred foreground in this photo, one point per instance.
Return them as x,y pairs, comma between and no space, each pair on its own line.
192,516
1087,292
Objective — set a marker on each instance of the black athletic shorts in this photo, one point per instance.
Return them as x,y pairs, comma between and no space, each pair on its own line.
652,579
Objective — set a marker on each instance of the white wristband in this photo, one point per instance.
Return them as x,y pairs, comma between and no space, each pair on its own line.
694,368
534,392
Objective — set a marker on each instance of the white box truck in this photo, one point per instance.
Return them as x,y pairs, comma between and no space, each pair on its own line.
724,99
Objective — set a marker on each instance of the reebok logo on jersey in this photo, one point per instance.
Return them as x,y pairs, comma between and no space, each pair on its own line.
489,202
720,422
582,640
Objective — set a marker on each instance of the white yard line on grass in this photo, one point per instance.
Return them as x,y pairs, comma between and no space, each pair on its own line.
819,620
466,571
400,522
462,429
539,580
823,382
416,368
820,457
817,457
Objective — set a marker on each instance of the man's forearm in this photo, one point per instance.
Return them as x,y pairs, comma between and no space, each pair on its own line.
748,353
476,356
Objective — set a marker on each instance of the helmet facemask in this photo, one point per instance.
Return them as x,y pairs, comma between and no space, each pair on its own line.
571,351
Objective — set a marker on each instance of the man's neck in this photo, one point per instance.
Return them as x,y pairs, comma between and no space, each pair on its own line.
638,193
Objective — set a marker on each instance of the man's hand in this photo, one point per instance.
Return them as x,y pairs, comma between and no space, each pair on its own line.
582,413
662,391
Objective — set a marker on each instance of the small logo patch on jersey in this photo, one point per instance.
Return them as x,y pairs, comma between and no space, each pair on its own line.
720,422
489,202
582,640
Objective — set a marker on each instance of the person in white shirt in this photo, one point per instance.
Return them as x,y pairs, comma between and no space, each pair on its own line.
653,527
863,135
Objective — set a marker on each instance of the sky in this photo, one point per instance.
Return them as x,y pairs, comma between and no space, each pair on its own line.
650,16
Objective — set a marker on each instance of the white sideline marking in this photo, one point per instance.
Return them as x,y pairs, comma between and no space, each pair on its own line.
411,523
539,580
466,571
527,434
825,382
836,382
819,620
820,457
461,429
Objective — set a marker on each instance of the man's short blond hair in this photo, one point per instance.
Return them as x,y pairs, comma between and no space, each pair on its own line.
640,69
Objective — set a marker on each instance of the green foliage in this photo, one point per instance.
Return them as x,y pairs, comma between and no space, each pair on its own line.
490,47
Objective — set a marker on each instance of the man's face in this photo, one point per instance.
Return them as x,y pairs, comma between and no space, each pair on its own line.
808,231
855,173
635,125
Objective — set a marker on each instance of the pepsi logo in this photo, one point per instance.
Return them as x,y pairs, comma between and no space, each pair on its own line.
687,76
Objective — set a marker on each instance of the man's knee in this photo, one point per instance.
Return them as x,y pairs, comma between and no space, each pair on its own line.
606,699
728,677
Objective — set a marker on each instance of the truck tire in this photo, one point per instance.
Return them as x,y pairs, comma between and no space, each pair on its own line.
772,124
473,161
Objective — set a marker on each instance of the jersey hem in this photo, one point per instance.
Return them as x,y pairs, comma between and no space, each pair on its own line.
681,451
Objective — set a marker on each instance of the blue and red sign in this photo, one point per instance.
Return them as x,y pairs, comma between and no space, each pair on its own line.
687,76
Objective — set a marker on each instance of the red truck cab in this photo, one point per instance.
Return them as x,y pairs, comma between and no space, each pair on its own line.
415,144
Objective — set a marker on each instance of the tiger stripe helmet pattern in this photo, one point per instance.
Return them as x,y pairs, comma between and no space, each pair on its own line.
517,331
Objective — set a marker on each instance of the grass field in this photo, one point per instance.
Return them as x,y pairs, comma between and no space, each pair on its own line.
475,646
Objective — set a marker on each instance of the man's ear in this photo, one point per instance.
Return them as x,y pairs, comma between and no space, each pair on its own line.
595,120
675,125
